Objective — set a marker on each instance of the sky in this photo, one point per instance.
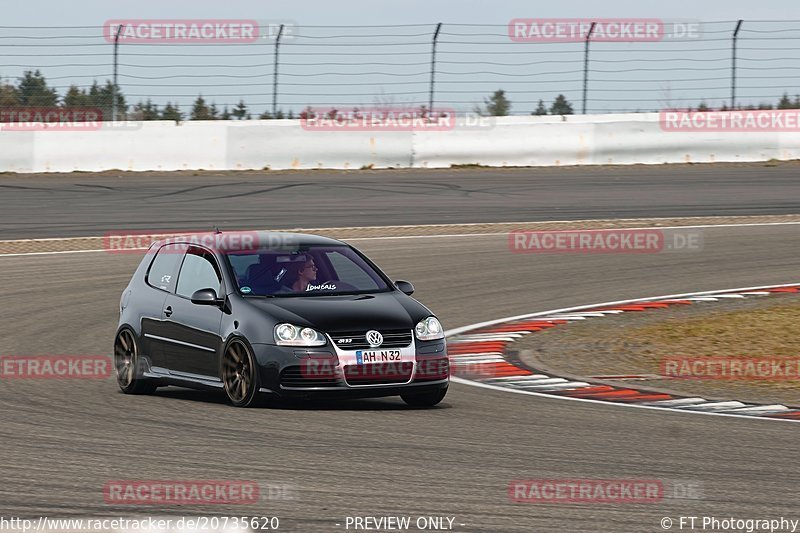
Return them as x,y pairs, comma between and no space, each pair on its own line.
320,66
91,12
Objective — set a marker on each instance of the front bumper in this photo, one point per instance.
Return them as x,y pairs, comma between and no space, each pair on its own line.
328,371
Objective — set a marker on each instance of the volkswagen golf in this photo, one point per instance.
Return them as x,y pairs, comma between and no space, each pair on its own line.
268,314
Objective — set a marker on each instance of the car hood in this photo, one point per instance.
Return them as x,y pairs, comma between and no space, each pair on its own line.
391,310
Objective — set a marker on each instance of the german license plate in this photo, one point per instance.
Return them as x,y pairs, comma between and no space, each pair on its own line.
377,356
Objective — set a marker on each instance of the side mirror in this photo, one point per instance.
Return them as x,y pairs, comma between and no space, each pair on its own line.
404,286
205,297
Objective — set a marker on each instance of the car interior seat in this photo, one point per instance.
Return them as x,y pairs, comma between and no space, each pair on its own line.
260,277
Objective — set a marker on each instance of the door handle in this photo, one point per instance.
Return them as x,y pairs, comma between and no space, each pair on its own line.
168,311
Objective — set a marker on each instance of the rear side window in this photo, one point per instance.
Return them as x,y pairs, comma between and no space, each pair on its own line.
199,271
163,270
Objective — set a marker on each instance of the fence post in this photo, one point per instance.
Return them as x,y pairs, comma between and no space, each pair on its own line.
733,62
586,65
433,65
275,74
115,93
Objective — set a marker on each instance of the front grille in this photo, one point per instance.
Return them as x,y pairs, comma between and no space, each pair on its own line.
396,338
378,373
297,376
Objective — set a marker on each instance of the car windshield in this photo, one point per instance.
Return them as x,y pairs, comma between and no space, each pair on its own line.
304,271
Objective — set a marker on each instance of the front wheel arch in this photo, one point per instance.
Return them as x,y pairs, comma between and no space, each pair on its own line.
128,363
239,372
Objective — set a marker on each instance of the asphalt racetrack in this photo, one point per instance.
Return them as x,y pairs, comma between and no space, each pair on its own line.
63,440
84,204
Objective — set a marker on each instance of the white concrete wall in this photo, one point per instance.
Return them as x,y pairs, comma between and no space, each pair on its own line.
284,144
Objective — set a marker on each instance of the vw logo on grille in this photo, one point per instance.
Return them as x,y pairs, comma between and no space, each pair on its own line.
374,338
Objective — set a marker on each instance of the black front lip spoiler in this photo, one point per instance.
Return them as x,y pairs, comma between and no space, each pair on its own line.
359,392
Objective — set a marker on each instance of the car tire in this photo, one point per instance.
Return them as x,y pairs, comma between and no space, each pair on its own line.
424,399
240,376
128,365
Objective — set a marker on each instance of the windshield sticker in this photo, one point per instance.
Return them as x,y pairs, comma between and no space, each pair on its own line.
246,290
323,287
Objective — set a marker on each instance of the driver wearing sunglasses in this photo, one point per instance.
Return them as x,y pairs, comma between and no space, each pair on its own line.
306,273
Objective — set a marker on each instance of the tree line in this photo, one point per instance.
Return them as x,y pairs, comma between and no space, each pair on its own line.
499,105
32,90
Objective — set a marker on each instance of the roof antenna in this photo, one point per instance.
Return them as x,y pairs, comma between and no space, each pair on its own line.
217,230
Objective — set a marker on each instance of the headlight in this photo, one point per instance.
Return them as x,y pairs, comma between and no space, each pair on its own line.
429,329
290,335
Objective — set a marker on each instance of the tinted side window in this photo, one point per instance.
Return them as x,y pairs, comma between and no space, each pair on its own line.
164,268
199,271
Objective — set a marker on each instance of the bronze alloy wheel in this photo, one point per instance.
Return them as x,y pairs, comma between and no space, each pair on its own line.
126,364
239,374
